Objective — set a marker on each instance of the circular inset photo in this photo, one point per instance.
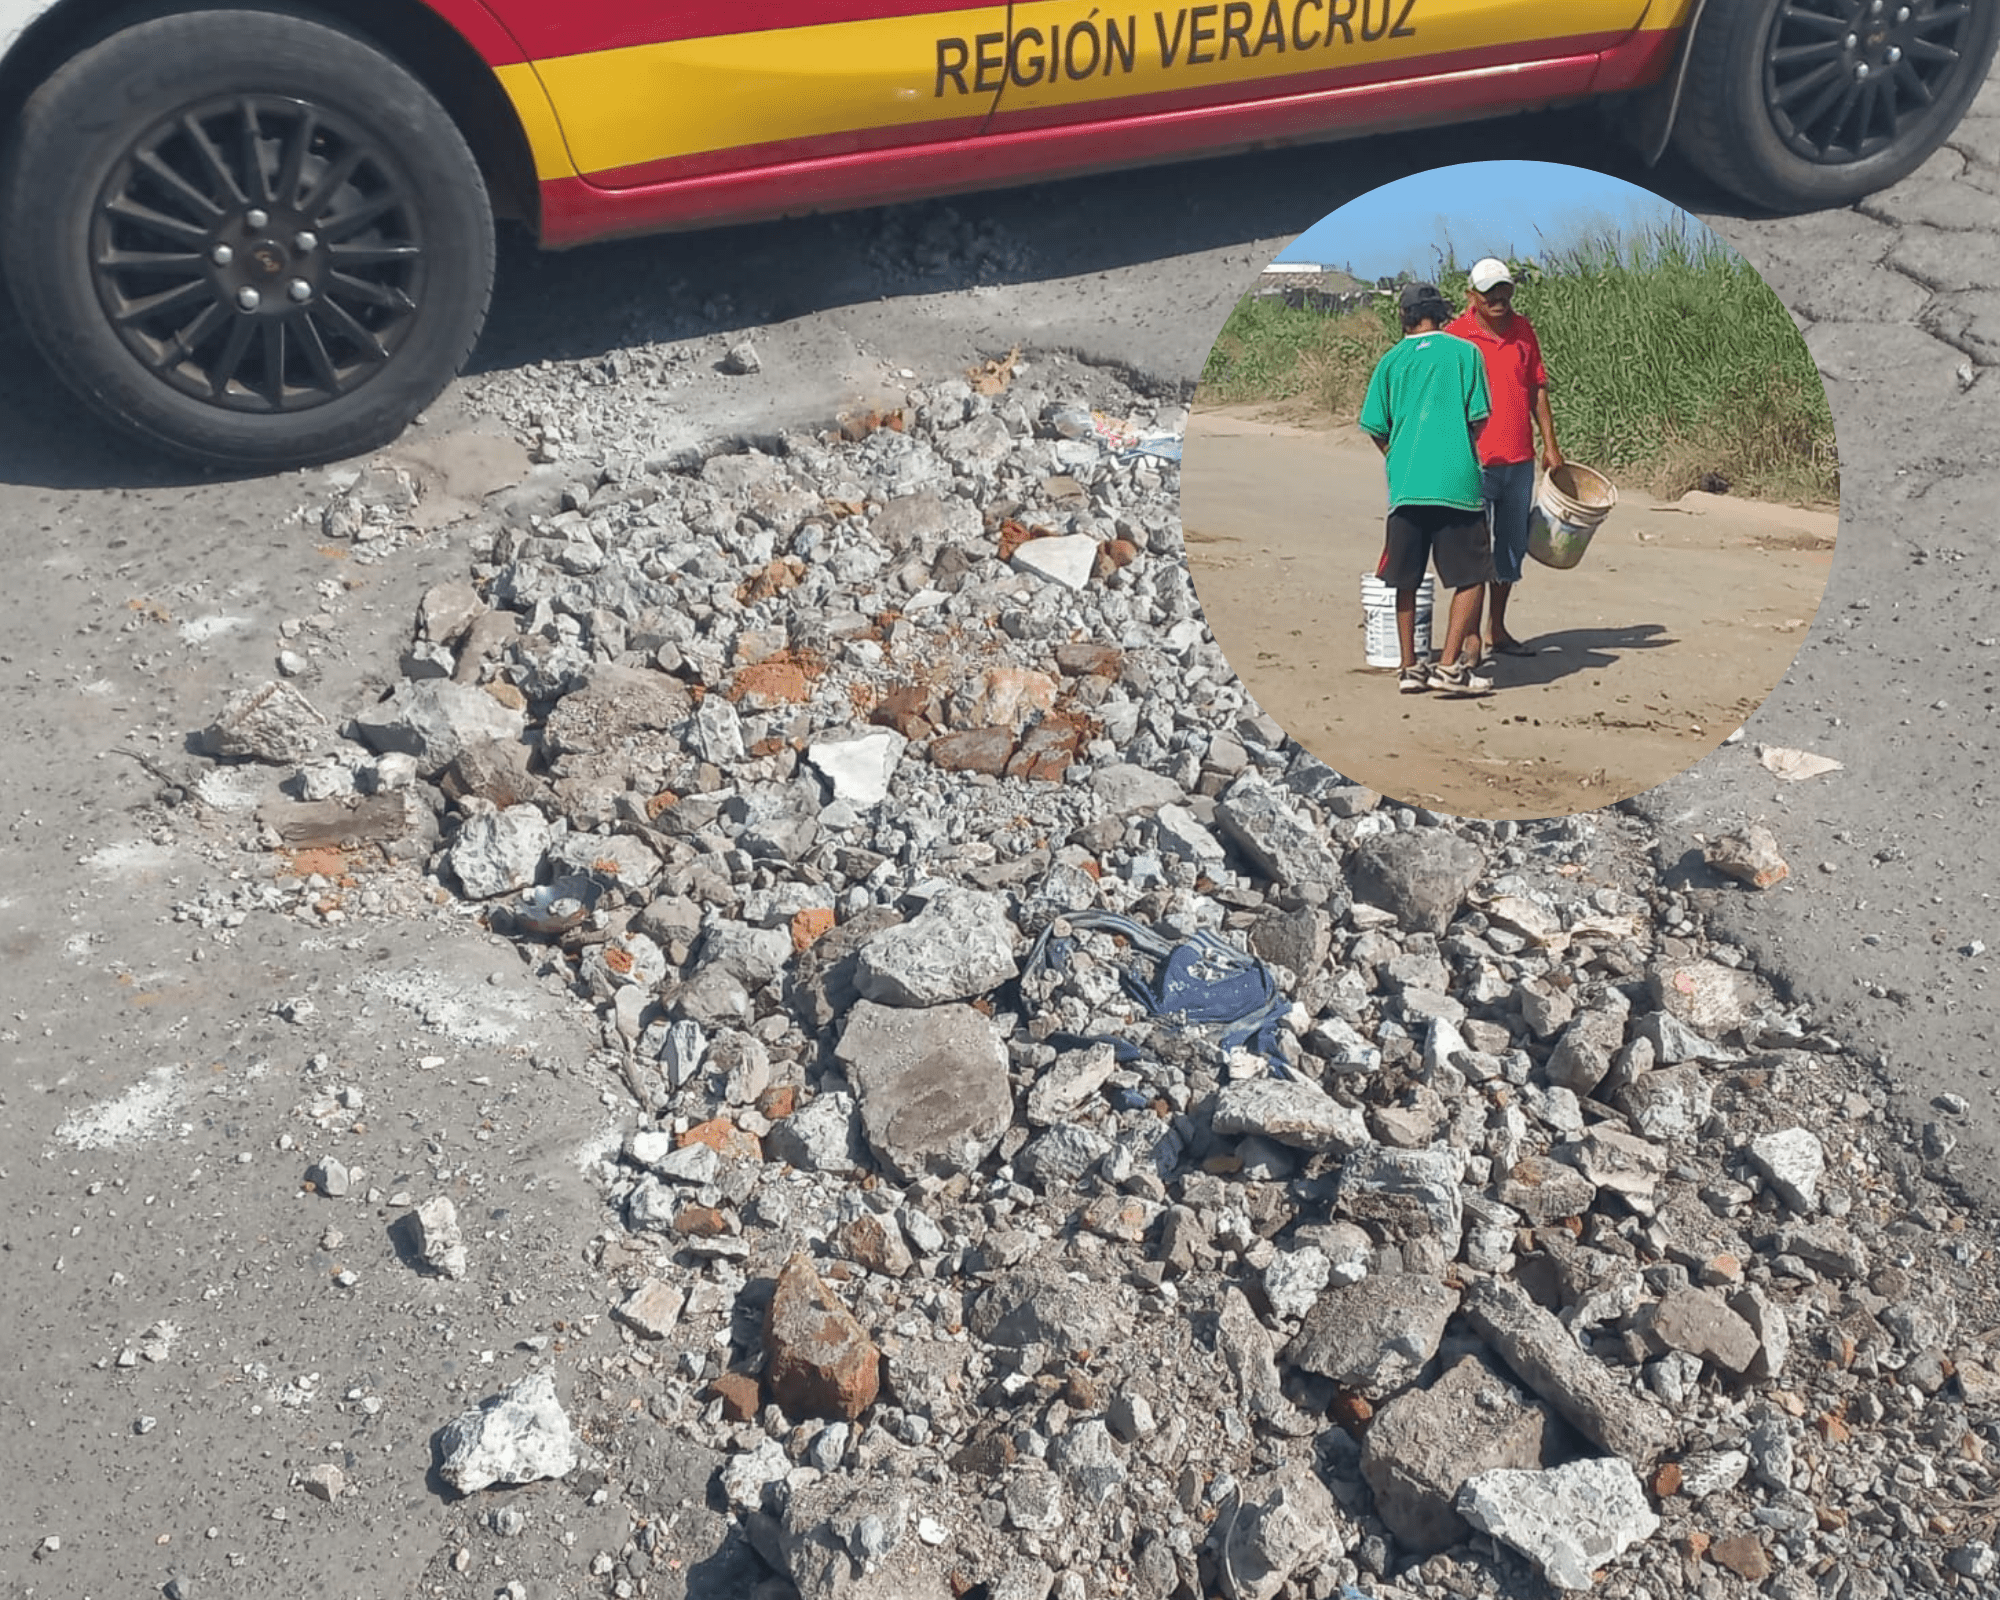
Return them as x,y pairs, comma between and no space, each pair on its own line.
1510,490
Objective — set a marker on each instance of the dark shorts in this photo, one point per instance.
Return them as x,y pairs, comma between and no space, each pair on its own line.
1458,540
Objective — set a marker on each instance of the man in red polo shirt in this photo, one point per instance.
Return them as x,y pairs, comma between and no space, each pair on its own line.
1518,387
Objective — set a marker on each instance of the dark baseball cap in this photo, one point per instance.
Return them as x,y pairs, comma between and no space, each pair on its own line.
1423,297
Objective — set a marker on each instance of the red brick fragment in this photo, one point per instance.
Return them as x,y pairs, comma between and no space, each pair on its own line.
723,1136
738,1393
821,1361
973,750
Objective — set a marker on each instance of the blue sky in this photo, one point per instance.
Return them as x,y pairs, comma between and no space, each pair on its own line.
1505,208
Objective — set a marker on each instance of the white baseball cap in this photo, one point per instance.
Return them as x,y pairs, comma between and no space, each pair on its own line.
1485,274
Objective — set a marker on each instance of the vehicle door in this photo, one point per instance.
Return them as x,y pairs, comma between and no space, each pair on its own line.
1086,60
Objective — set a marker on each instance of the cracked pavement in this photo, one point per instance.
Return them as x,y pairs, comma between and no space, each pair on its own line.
1895,867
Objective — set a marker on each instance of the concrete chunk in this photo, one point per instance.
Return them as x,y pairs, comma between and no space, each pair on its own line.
960,946
1420,878
1407,1193
1292,1112
1424,1445
932,1085
1375,1336
1792,1162
1616,1161
1568,1520
1699,1322
272,722
1285,1521
517,1436
1582,1390
1072,1078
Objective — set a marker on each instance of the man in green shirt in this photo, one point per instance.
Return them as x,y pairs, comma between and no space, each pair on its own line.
1426,403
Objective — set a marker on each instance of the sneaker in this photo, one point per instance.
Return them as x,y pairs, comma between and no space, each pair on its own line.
1413,680
1458,681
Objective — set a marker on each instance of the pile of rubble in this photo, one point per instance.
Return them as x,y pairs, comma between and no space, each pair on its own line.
1081,1145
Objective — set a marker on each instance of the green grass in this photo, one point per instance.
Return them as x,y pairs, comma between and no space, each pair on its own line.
1669,360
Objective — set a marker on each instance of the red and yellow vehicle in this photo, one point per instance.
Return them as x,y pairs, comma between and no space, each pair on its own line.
261,234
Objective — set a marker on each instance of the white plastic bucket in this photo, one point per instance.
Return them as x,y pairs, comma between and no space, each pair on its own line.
1378,605
1573,501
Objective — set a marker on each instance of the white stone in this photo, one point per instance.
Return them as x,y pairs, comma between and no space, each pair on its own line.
438,1238
1294,1279
961,946
1067,559
715,731
1442,1047
651,1309
745,1476
1568,1520
517,1436
1344,1047
1182,835
1712,1472
1072,1078
497,852
323,1482
653,1205
859,766
1792,1161
1294,1113
681,1054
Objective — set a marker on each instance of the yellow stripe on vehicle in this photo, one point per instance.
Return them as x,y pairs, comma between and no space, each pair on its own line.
1064,52
627,107
538,120
652,102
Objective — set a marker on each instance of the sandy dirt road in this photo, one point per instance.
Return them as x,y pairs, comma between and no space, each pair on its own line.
1678,622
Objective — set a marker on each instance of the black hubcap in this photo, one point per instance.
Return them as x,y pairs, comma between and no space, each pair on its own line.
259,253
1845,79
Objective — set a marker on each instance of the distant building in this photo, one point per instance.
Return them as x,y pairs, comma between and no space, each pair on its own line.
1281,277
1306,285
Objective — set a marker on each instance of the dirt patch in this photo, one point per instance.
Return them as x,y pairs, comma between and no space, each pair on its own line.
1679,621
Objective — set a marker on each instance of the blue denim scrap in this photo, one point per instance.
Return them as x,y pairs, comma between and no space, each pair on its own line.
1203,982
1161,446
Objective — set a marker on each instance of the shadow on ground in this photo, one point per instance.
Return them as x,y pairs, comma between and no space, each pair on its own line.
1568,651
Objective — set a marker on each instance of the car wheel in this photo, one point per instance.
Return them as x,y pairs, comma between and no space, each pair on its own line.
251,239
1800,104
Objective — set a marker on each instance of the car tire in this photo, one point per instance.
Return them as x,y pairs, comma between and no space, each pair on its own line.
1776,110
249,238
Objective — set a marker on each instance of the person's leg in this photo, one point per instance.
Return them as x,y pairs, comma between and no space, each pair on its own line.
1461,632
1462,547
1406,551
1510,492
1406,626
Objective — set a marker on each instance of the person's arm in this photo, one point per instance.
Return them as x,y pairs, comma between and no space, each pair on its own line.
1538,402
1552,456
1478,403
1374,419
